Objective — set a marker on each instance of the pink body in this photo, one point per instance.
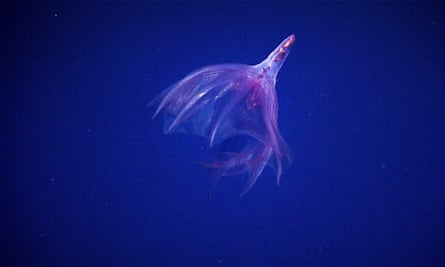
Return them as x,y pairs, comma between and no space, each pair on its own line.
223,101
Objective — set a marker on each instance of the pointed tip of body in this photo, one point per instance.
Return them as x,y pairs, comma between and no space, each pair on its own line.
289,41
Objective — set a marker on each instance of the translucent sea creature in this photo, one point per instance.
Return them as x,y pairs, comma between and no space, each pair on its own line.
220,102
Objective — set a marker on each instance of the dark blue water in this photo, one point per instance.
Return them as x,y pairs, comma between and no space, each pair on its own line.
88,179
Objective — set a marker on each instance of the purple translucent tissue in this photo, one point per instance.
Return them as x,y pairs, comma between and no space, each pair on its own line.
223,101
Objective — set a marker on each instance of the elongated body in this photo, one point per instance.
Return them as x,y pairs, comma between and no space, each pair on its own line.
222,101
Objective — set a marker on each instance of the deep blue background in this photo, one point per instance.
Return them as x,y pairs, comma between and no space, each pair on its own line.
88,179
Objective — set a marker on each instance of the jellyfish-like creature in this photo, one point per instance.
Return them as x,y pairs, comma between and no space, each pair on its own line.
220,102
